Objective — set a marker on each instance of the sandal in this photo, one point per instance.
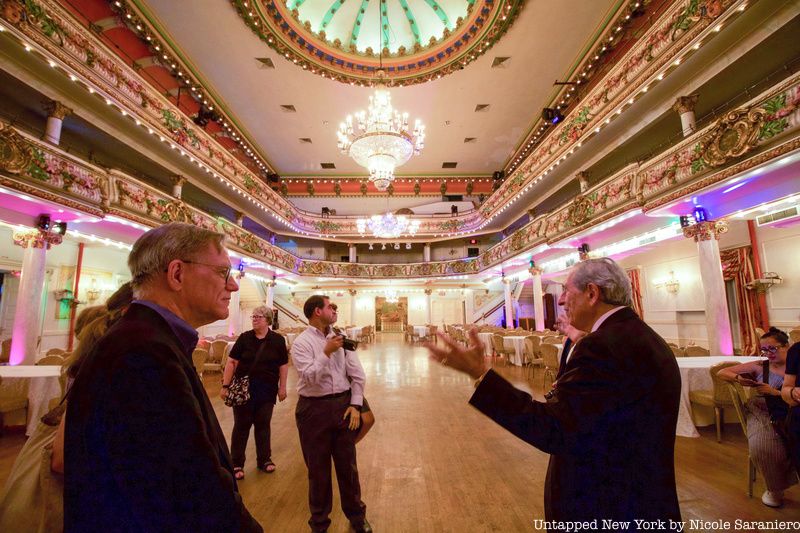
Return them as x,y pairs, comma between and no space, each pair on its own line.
238,473
268,467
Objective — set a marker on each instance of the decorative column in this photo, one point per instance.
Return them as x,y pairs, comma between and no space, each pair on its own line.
509,304
270,293
28,313
353,252
685,106
706,235
353,293
234,313
56,112
429,305
239,218
583,182
426,253
538,303
177,186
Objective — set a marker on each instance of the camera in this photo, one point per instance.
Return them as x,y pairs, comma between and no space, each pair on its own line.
349,344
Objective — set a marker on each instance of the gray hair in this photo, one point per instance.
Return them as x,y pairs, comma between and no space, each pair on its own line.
266,311
153,251
615,287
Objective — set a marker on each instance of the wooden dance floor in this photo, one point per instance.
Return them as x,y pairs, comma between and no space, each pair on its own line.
434,464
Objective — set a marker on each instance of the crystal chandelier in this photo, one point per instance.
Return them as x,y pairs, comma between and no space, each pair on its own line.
391,296
387,226
379,139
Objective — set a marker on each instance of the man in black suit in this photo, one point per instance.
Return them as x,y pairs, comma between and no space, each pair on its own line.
610,426
143,448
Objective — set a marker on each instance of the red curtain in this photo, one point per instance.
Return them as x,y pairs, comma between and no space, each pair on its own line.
737,265
636,293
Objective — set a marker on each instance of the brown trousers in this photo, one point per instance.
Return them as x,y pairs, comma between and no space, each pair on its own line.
324,436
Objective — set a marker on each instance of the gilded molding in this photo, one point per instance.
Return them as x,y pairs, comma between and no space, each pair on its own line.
734,135
56,109
15,156
706,231
36,239
685,104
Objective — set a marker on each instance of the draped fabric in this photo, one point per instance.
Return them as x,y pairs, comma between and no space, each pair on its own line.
737,265
636,293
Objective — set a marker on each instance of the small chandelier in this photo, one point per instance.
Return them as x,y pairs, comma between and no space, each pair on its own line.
391,296
387,226
379,139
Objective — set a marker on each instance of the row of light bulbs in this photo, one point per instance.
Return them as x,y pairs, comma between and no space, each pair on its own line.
660,76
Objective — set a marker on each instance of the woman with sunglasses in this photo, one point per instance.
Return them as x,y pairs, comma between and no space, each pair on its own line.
768,448
261,354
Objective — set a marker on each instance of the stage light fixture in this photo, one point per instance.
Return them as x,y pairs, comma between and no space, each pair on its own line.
700,214
552,115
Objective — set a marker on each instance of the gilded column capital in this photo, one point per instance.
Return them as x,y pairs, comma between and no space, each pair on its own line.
706,231
428,291
177,180
352,292
35,238
583,180
685,104
56,109
535,271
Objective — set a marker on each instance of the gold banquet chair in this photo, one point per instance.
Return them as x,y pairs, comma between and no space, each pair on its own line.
550,359
199,358
738,396
13,397
696,351
719,397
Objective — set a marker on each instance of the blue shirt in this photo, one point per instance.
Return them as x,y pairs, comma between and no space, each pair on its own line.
186,334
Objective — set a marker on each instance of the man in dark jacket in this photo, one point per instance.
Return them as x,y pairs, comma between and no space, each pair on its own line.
610,425
143,447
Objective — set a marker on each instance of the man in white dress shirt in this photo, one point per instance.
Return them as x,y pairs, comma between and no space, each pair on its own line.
331,387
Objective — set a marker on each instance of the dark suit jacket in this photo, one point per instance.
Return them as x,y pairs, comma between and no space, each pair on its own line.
562,365
610,427
143,447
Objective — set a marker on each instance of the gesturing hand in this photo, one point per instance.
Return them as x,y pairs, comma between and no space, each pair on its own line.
355,417
469,360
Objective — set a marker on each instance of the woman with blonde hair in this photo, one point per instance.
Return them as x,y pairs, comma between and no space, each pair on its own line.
33,497
261,355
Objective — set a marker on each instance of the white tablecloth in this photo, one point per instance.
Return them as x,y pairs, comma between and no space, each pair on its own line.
420,331
695,376
486,339
517,342
43,387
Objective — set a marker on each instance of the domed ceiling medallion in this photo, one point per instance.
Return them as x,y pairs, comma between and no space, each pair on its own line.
419,40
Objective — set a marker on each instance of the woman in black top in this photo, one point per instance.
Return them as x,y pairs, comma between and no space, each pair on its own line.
791,395
261,354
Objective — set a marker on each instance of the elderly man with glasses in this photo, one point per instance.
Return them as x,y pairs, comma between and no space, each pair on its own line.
143,448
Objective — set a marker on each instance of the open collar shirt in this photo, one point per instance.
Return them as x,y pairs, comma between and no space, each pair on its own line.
320,375
186,334
596,326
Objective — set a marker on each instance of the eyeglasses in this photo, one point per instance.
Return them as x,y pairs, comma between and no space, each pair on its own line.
253,317
223,271
768,349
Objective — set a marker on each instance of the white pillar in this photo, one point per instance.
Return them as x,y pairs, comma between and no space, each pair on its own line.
28,313
353,293
706,235
426,253
239,218
685,106
177,186
509,304
234,314
583,182
56,111
270,294
429,305
353,252
538,303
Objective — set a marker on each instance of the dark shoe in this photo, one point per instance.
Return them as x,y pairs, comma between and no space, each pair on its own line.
268,467
363,527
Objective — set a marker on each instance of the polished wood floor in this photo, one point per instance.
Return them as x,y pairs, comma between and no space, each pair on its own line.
432,463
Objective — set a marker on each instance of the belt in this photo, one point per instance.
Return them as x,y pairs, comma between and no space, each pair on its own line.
327,396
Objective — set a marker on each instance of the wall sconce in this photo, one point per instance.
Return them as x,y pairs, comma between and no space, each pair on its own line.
764,283
63,295
93,293
671,284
